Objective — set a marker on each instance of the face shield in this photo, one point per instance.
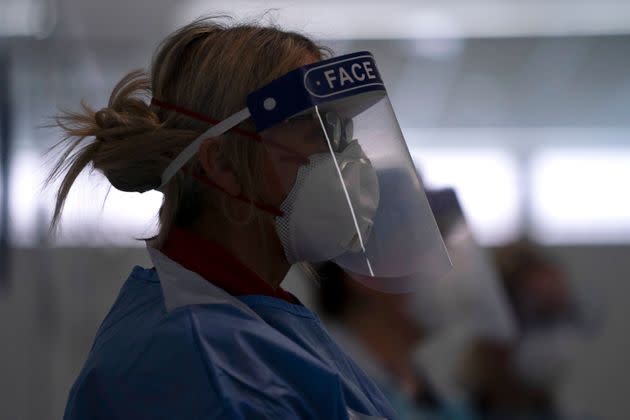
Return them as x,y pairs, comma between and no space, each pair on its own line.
466,304
346,187
470,296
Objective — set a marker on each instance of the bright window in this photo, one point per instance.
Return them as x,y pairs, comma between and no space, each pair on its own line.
88,218
581,195
486,181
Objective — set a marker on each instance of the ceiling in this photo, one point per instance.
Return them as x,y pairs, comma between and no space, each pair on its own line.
325,19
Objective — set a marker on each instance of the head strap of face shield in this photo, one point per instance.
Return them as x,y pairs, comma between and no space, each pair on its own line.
219,128
201,117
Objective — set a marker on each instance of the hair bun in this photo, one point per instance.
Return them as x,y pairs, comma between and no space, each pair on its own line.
108,118
121,180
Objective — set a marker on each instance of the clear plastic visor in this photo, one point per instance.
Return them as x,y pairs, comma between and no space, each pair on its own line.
349,192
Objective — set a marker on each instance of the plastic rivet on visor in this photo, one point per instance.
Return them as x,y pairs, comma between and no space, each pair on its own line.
269,104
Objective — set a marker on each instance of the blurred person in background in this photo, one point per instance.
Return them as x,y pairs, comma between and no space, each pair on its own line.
517,379
291,170
382,333
386,333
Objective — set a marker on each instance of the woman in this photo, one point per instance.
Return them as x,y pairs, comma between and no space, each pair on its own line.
208,332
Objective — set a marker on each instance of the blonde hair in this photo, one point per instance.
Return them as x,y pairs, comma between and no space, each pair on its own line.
208,67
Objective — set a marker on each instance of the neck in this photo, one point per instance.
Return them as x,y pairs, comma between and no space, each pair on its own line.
255,244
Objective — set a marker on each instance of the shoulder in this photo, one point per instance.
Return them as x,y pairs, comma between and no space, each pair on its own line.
262,366
150,369
226,336
204,361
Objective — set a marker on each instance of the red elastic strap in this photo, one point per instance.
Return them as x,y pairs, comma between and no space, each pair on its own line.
241,197
254,136
201,117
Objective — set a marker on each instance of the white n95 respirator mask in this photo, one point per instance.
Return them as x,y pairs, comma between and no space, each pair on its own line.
317,223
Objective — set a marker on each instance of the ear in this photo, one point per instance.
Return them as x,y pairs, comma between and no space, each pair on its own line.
219,173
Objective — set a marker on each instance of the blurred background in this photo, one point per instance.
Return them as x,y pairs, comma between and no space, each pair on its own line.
521,107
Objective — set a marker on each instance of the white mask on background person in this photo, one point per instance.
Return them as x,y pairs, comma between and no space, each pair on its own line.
544,355
469,296
317,224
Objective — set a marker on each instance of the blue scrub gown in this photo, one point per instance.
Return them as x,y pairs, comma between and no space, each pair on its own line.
174,346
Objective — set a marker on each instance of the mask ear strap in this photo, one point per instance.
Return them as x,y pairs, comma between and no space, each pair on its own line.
274,211
190,150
